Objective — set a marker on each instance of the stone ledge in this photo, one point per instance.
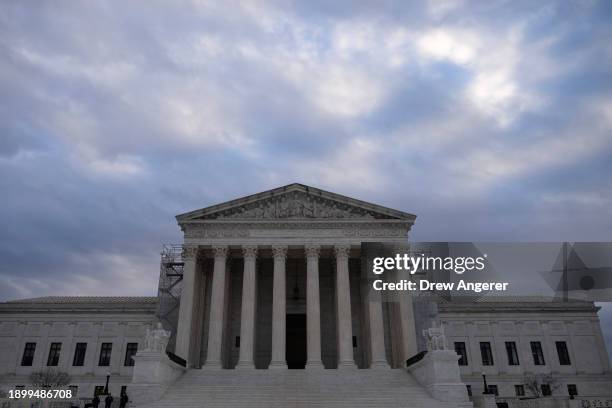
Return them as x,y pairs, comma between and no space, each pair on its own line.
154,372
438,372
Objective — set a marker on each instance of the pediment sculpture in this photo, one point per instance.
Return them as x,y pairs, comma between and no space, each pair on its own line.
295,205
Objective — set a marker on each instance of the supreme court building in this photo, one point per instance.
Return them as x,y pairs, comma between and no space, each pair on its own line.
275,280
267,302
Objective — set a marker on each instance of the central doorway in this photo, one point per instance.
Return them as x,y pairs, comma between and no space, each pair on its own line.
296,341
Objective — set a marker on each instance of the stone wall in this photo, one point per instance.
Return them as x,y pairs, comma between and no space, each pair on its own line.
66,324
575,324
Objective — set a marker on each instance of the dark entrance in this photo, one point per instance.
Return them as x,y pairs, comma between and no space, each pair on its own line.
296,341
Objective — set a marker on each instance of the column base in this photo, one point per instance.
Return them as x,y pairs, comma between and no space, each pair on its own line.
245,365
314,365
212,365
347,365
380,364
277,365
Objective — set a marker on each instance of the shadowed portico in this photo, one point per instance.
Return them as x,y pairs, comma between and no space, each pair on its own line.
255,266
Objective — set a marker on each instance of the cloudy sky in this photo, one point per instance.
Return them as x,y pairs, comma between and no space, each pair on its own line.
489,120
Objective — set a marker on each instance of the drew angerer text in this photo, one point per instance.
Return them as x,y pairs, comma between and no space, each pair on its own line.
424,263
424,284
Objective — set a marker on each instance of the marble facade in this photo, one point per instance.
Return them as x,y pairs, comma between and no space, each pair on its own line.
296,230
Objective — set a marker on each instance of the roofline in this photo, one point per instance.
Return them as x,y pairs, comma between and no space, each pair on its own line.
189,216
77,304
82,299
516,307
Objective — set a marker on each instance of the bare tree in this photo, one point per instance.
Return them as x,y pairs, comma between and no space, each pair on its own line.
49,378
534,382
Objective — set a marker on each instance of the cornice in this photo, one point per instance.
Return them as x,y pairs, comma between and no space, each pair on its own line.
517,307
77,304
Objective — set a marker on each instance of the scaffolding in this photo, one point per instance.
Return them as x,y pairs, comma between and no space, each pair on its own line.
170,288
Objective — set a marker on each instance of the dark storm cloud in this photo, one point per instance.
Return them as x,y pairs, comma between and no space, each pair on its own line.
490,120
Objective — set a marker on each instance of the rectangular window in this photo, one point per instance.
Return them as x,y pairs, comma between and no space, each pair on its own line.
469,390
123,389
538,354
513,359
546,392
494,390
105,354
75,390
98,390
28,354
572,390
354,341
461,350
519,390
79,354
564,358
486,353
130,351
54,354
237,342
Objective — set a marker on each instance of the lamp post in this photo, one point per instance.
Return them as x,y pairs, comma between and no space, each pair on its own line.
484,380
108,374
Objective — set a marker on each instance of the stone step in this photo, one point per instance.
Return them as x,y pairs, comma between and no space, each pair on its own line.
297,388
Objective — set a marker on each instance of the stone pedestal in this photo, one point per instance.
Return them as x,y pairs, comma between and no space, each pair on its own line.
439,373
153,373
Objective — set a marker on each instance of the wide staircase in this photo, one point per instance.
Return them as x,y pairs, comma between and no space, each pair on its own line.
375,388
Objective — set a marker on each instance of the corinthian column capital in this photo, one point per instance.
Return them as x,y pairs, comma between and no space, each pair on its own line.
279,251
312,251
249,251
220,251
342,251
189,252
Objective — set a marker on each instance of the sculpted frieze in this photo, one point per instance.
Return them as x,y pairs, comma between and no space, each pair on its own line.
295,204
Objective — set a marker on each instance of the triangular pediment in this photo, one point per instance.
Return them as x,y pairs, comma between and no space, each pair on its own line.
295,201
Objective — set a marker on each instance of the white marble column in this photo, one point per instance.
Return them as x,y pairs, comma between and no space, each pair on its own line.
377,334
185,319
403,322
313,308
344,322
279,312
217,308
198,313
249,305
